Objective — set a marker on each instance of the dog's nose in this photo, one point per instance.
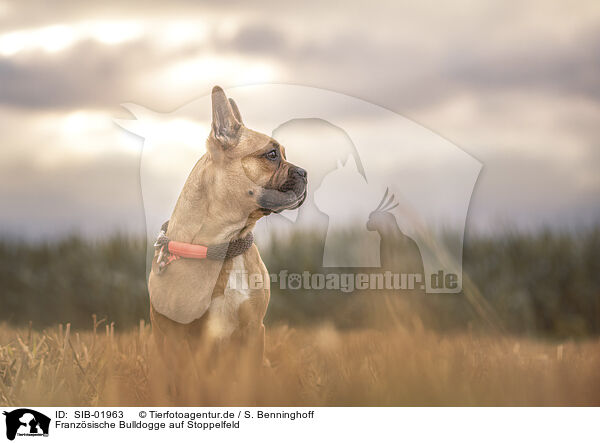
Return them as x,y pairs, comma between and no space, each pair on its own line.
301,172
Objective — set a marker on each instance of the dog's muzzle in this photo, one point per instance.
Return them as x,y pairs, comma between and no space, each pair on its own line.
289,195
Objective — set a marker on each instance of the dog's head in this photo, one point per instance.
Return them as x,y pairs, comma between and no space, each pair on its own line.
257,172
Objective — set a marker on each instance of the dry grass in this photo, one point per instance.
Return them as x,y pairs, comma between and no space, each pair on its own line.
312,366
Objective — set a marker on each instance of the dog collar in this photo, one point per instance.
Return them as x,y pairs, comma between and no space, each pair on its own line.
171,250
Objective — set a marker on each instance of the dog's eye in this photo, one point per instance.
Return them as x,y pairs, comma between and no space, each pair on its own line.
272,154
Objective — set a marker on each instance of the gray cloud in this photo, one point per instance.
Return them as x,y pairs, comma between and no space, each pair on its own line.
405,58
87,75
530,192
96,197
259,38
395,73
404,75
552,67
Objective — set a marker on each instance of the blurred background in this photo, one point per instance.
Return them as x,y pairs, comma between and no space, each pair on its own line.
514,84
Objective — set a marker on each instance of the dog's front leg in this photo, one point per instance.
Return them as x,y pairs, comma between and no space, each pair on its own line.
255,343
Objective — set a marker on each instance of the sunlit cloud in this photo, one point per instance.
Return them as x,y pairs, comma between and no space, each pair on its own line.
91,134
12,43
180,33
81,123
166,35
50,39
56,38
59,37
204,71
57,139
112,33
164,130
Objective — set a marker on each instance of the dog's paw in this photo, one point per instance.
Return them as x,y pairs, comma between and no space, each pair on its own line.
294,281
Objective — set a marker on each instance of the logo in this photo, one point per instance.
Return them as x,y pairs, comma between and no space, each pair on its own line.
386,195
26,423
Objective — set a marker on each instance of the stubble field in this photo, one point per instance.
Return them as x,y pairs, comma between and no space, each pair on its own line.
308,366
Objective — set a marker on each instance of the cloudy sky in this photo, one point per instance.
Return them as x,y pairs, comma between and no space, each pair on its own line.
514,84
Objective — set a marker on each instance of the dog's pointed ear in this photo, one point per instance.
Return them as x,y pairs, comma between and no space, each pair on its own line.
225,126
236,111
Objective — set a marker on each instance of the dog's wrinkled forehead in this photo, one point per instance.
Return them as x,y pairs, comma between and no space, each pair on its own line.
252,142
255,143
